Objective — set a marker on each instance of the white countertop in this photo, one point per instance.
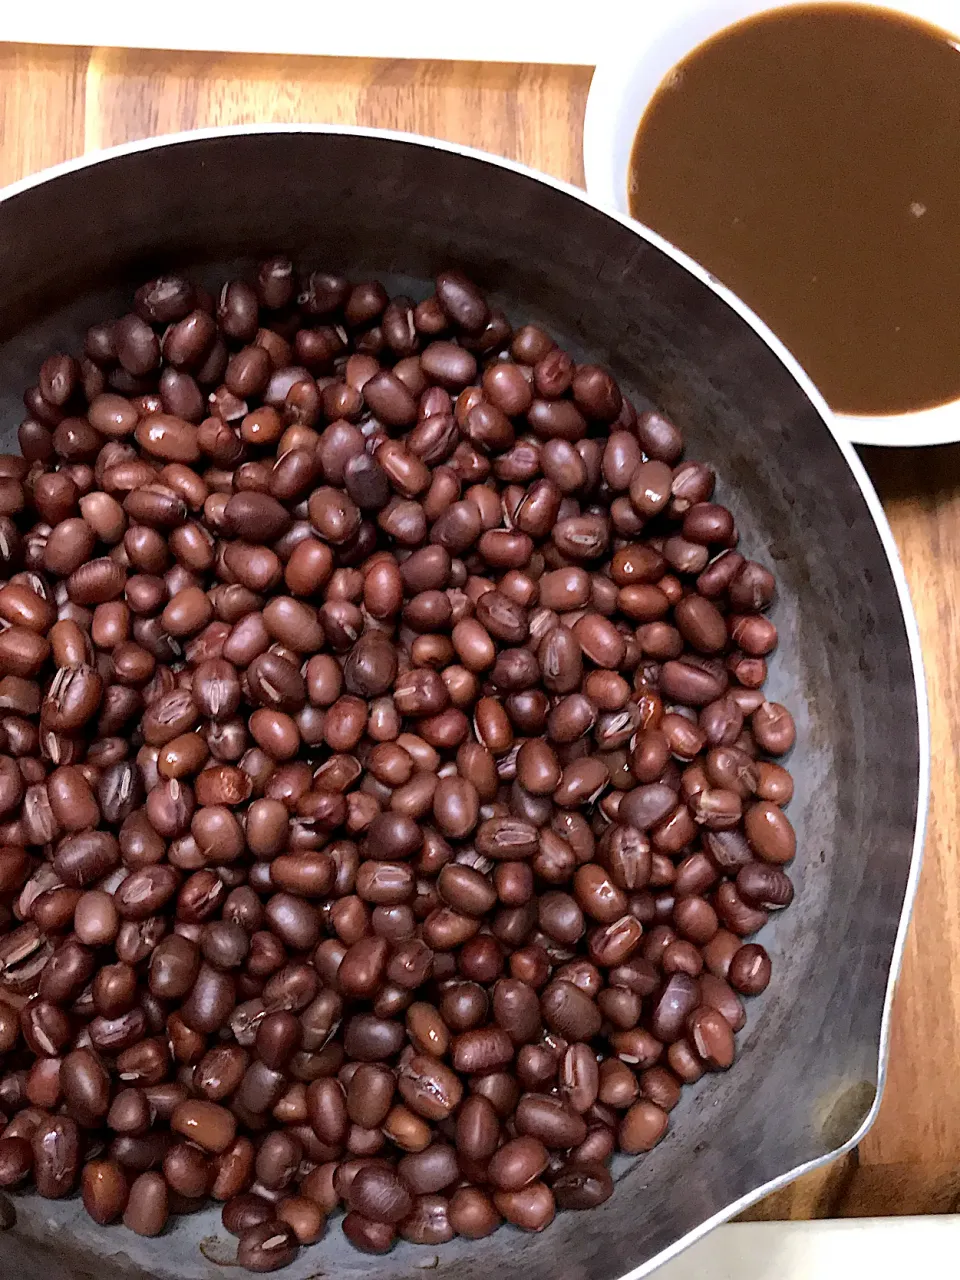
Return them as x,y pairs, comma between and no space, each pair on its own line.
876,1248
562,32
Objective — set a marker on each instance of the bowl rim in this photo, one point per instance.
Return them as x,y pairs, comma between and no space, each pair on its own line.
677,31
857,469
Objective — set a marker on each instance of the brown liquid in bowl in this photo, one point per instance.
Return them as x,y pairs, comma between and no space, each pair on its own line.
810,158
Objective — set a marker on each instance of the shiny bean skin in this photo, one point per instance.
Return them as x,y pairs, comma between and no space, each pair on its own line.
245,1210
532,1208
712,1038
268,1246
770,832
306,1218
643,1126
582,1185
56,1157
749,970
367,1235
774,783
380,1195
105,1190
386,768
211,1127
517,1163
551,1121
472,1213
773,728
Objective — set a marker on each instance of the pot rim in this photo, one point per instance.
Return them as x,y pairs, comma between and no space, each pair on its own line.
843,444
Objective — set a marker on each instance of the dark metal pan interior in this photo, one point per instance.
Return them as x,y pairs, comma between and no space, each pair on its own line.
810,1057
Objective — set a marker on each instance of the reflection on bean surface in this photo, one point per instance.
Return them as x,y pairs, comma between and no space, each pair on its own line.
385,788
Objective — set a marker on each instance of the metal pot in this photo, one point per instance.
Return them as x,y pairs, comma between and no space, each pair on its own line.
811,1064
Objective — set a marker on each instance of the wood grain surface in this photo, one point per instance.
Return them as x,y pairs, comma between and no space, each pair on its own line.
58,103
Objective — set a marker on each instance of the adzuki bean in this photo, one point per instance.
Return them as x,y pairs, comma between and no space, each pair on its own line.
382,767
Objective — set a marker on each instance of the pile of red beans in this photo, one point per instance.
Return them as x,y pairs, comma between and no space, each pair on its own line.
385,788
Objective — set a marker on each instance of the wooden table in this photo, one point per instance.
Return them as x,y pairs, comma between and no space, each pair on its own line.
57,103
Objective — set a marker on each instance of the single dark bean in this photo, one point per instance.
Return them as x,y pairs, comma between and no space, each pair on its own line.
645,806
678,998
643,1126
367,1235
517,1163
712,1038
770,832
380,1195
56,1157
531,1208
773,783
429,1171
749,970
245,1210
765,886
582,1185
105,1190
550,1120
429,1088
569,1012
773,728
16,1161
267,1246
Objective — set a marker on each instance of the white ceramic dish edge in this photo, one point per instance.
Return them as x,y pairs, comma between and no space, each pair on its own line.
624,83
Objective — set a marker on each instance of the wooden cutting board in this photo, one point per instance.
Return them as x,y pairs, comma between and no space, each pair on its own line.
56,103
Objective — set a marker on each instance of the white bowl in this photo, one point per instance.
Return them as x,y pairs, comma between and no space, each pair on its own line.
622,87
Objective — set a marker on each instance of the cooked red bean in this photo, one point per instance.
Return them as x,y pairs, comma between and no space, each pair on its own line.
517,1163
712,1037
582,1185
267,1246
211,1127
379,1194
105,1190
642,1127
770,832
531,1207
